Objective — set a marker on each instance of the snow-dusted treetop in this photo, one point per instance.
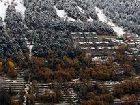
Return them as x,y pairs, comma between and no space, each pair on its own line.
4,4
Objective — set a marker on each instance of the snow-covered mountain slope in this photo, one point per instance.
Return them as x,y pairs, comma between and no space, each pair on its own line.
101,17
4,4
104,19
61,13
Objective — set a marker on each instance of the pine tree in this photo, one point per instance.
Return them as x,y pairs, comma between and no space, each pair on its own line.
15,28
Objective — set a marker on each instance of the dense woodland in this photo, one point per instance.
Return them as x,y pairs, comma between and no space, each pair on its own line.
125,13
56,60
42,26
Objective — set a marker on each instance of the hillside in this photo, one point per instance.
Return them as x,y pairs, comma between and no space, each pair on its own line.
42,21
64,14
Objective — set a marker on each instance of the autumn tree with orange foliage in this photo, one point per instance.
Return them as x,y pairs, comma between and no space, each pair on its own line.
103,99
94,99
39,61
59,69
14,101
45,73
1,66
51,96
11,68
129,99
127,87
61,76
125,61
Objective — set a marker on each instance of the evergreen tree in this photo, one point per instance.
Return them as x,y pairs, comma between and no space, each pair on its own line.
16,28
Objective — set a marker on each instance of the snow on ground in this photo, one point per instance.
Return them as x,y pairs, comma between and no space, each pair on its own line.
4,4
104,19
81,10
2,9
70,19
30,47
30,50
90,20
63,14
